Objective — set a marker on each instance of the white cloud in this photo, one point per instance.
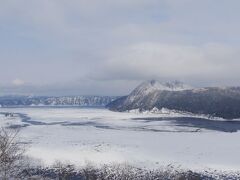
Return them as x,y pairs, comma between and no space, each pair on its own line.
118,43
170,61
18,82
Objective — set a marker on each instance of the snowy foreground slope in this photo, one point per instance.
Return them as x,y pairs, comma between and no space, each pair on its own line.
83,135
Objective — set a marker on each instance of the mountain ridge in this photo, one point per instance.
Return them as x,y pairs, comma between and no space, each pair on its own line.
215,101
8,101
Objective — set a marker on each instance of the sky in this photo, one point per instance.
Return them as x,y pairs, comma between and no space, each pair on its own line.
107,47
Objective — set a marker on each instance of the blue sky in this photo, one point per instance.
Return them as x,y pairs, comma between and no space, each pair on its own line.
107,47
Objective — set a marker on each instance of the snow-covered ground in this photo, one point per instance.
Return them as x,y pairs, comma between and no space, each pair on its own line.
83,135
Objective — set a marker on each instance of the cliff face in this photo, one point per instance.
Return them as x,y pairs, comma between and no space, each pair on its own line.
221,102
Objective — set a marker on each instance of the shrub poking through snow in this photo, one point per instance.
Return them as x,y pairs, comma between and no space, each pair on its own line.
11,153
62,171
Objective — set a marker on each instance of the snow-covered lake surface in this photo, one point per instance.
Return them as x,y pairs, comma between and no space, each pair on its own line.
83,135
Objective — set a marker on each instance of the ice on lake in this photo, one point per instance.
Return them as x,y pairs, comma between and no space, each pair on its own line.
97,135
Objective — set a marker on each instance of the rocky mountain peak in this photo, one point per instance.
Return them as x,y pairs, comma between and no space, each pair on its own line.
152,85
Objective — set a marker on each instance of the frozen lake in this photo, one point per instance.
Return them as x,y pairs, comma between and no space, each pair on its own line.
83,135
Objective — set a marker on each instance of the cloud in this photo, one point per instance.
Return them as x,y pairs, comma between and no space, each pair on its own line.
210,62
18,82
90,46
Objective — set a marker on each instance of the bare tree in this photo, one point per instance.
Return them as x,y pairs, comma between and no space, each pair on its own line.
11,153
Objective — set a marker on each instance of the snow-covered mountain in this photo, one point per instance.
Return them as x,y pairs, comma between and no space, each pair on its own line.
214,101
7,101
152,86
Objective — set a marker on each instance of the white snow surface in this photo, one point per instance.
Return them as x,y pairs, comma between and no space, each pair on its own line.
83,135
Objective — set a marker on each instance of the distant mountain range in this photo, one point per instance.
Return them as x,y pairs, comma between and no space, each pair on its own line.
8,101
214,101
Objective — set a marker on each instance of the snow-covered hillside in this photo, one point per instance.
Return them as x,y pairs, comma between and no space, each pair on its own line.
213,101
148,87
8,101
